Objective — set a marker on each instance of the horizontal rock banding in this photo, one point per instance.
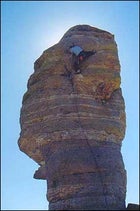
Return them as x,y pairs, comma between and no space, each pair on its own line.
72,125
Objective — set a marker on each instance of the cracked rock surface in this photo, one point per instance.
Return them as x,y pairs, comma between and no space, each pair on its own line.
73,125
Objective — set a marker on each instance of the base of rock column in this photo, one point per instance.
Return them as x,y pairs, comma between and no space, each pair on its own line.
83,176
84,203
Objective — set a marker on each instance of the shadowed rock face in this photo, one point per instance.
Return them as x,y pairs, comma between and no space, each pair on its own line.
73,125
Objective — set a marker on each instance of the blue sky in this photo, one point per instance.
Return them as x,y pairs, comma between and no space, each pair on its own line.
30,27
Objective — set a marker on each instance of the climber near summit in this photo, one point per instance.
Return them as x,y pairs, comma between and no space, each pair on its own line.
79,55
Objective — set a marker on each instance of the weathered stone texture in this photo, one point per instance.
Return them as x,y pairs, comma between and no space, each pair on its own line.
73,126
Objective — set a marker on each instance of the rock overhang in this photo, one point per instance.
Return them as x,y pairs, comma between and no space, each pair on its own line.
40,124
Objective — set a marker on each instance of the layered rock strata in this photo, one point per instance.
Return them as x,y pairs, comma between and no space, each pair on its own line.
73,125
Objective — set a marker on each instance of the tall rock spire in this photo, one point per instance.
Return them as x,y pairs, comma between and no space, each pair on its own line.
73,125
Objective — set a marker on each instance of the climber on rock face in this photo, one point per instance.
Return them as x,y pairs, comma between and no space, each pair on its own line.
79,55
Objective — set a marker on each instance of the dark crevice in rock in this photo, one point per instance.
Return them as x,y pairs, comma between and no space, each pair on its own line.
73,125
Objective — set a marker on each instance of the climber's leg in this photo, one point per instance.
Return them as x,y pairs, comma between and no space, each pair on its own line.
76,65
